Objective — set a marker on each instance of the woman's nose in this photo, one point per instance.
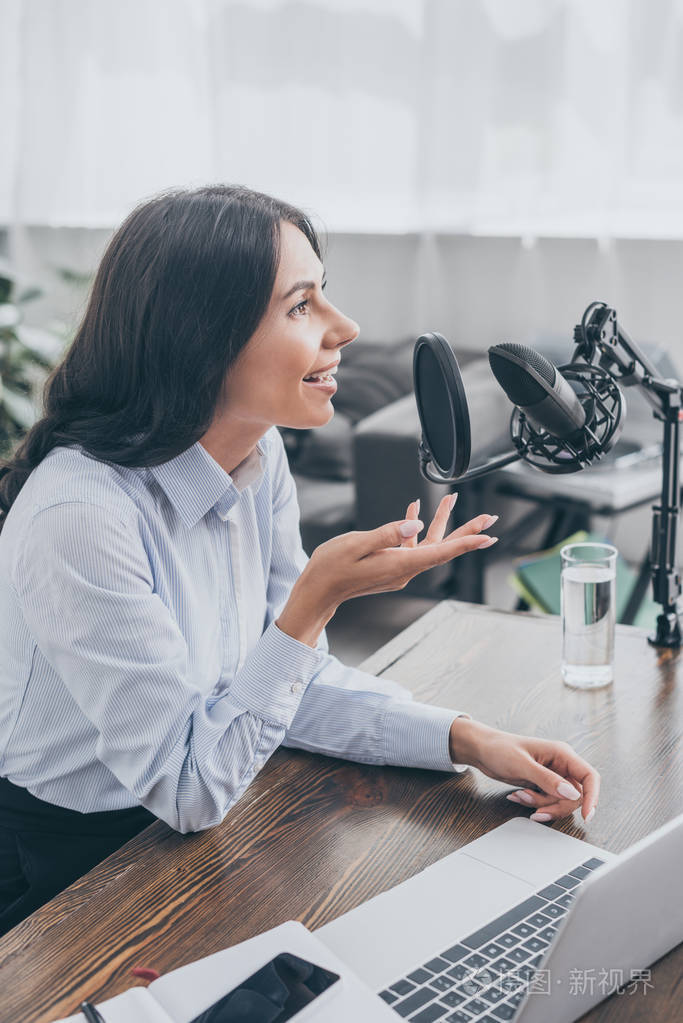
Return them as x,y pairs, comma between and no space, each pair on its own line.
344,330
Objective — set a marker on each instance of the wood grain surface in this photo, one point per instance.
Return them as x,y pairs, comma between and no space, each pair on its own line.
313,837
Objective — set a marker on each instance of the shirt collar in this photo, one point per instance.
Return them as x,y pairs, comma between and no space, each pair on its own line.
195,483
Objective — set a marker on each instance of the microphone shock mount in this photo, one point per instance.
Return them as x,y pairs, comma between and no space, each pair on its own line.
604,406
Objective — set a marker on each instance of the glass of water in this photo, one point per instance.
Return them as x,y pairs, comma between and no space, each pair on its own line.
589,573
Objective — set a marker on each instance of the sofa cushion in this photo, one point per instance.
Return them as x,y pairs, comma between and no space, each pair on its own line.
324,453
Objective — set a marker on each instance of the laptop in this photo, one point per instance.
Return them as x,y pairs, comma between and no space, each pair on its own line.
525,924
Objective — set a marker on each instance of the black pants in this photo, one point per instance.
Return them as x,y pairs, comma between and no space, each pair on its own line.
43,848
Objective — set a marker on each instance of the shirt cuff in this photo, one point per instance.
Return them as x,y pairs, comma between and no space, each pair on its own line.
275,676
417,735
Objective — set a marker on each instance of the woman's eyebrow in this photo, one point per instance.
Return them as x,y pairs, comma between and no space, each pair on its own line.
303,286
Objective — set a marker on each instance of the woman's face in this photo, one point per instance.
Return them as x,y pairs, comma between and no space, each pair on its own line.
301,334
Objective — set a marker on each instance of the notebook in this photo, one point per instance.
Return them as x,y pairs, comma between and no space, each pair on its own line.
179,996
537,580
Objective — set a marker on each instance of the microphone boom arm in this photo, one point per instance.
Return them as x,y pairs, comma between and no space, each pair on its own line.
425,457
600,338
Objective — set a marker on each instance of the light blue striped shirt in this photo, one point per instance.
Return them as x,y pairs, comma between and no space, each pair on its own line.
140,662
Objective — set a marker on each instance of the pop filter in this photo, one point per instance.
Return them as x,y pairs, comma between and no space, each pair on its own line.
441,405
444,415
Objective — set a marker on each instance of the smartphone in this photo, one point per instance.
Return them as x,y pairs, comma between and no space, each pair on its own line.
277,992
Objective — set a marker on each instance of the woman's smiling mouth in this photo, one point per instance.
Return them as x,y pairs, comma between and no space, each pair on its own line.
323,379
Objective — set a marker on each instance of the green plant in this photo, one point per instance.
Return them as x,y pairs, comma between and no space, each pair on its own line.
27,354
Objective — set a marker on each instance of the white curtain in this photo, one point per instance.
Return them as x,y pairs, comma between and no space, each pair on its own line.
527,117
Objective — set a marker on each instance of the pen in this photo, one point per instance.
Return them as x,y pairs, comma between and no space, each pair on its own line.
91,1014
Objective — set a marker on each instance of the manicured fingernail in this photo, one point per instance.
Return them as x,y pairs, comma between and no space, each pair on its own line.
410,528
513,797
541,817
451,503
417,506
490,520
526,798
590,816
488,542
567,791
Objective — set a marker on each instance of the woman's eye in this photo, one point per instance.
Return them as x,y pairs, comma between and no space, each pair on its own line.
299,308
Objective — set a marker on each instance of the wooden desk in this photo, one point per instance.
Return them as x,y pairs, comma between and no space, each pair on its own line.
314,837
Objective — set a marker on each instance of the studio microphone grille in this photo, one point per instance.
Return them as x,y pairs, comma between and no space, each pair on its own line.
520,388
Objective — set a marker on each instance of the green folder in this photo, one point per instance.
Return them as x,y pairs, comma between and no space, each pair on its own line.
537,581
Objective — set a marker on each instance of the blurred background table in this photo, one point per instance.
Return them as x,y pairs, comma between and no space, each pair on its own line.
313,837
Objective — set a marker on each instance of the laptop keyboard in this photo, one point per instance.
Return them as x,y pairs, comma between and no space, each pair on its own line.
485,976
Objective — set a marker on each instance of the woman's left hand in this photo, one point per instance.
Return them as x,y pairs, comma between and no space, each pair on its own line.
564,779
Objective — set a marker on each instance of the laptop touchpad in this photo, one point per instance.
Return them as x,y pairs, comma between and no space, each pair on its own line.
404,927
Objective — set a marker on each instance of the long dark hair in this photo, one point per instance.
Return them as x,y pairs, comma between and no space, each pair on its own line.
180,290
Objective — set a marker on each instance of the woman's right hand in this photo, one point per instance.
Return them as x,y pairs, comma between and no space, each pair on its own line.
376,561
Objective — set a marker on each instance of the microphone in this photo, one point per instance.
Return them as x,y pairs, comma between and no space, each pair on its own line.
536,387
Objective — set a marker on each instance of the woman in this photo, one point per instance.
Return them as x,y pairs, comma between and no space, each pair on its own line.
161,628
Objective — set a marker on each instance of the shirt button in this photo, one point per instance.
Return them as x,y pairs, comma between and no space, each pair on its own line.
296,687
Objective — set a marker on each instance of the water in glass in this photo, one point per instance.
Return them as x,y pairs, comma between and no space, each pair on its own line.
588,618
